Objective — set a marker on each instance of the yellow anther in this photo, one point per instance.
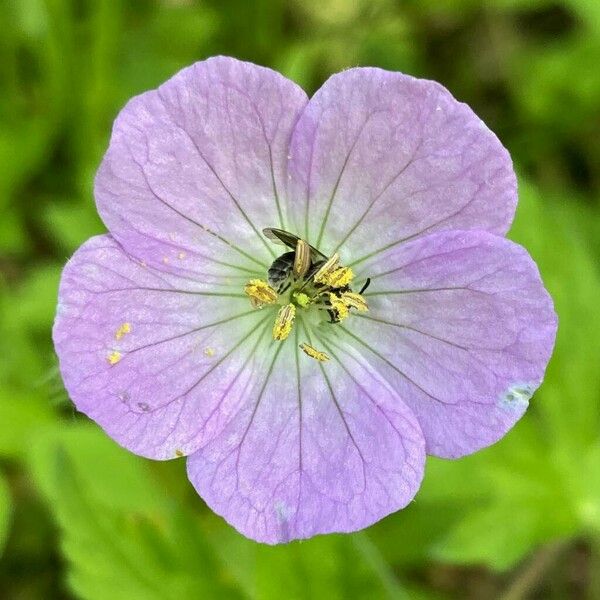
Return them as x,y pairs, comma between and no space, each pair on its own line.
354,300
314,353
124,329
338,305
284,322
328,268
301,259
114,357
260,293
302,299
339,278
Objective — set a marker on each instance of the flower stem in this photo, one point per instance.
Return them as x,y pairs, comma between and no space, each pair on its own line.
371,554
530,576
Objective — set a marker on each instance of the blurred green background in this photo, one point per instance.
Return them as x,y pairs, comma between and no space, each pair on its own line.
81,518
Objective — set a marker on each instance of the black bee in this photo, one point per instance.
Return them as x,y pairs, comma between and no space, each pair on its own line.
280,273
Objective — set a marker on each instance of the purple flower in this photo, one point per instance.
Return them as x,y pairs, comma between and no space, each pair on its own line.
304,406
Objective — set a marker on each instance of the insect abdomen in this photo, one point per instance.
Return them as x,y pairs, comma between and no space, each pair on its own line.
280,270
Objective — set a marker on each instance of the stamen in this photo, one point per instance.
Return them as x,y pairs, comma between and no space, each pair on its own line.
301,259
329,266
354,300
303,279
284,322
313,352
338,305
339,278
260,293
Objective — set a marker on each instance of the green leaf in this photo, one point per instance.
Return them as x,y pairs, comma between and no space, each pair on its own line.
333,567
497,536
568,401
73,224
121,534
33,303
588,486
125,536
20,415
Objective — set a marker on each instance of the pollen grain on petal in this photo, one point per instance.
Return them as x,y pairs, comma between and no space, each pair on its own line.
260,293
284,322
114,357
313,352
122,330
209,352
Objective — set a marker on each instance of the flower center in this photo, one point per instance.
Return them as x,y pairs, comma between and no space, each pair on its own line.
305,280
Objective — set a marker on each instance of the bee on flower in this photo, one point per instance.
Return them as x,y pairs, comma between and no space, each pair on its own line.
303,297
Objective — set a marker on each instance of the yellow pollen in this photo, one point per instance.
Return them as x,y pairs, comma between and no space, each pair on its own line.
313,352
209,352
283,322
338,278
260,293
354,300
327,268
114,357
302,299
339,306
178,453
123,330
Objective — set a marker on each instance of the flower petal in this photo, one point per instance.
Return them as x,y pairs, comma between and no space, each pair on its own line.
397,157
321,448
195,169
462,327
156,359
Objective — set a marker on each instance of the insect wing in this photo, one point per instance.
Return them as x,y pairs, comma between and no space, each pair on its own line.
280,236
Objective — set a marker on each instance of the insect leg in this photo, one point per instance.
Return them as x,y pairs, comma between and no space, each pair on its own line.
366,285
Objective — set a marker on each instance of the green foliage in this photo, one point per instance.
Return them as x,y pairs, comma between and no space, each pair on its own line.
126,536
120,532
5,511
129,528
